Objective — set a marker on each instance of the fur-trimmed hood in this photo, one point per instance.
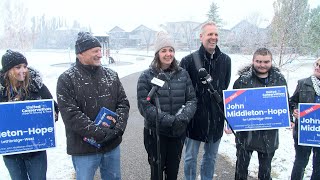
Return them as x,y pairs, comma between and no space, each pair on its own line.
248,70
36,80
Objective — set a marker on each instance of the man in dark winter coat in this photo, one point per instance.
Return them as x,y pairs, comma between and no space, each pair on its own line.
207,124
82,91
260,74
307,91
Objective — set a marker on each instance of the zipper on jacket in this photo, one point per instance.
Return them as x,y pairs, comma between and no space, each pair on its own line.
169,88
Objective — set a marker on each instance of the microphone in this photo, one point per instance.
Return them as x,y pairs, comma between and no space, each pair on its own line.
205,78
158,82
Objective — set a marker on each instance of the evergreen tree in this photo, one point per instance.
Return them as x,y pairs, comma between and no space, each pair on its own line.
213,14
313,27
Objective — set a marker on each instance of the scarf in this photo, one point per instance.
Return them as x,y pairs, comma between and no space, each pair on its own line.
316,84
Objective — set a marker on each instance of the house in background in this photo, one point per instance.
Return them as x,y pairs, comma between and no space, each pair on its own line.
118,38
142,37
184,33
244,37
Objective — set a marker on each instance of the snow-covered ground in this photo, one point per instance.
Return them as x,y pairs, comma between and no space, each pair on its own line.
59,163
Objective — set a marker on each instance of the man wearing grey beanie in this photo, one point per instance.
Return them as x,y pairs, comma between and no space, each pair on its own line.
82,91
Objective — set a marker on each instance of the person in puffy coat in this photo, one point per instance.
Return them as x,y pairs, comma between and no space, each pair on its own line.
18,82
307,91
177,103
260,74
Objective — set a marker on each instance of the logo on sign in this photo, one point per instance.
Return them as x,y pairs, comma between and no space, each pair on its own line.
273,94
36,109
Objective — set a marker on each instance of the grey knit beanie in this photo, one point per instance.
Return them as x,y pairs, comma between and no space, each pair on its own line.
11,59
163,40
86,41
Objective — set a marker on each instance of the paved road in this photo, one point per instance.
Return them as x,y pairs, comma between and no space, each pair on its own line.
134,162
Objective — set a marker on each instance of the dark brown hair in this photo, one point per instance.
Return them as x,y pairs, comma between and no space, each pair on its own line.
156,63
262,52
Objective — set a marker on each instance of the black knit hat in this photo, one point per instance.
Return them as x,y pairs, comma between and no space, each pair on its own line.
11,59
86,41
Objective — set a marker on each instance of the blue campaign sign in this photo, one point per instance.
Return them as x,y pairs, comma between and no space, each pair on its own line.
309,124
26,126
257,108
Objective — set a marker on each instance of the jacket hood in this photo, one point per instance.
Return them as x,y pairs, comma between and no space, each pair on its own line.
245,70
248,70
36,79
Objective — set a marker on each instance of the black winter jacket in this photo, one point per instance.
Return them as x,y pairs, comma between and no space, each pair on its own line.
37,91
82,91
207,123
304,93
175,93
265,141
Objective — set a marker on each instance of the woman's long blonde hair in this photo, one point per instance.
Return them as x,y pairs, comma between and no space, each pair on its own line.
13,86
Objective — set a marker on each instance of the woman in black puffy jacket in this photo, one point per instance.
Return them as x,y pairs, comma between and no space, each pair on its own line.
177,103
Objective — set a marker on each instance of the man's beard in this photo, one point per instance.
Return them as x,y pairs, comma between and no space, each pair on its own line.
266,71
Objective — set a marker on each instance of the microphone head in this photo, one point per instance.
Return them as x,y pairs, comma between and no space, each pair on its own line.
204,76
202,73
159,80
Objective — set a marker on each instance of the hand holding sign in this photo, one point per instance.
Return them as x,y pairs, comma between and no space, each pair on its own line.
227,129
111,119
296,113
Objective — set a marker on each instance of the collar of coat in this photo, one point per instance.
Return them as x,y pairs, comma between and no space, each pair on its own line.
168,74
206,55
249,71
91,69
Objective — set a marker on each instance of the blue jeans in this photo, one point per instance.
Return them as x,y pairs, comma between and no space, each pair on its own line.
27,165
109,164
208,159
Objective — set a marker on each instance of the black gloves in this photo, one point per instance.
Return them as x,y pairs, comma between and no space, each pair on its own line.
179,127
118,131
110,135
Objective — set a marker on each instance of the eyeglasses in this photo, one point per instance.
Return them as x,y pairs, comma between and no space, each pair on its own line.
316,65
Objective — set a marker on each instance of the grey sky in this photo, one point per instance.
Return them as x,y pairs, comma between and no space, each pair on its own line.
103,15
